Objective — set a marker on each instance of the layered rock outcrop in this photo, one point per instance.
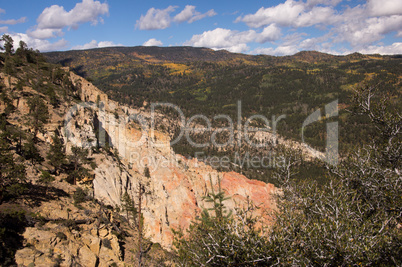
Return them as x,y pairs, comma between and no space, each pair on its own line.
57,243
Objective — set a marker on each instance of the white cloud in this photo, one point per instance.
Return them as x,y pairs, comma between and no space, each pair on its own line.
190,15
361,26
152,42
293,14
283,14
41,45
186,14
384,7
87,11
359,30
155,19
3,29
55,18
13,21
45,33
395,48
278,51
219,38
316,16
269,34
95,44
233,41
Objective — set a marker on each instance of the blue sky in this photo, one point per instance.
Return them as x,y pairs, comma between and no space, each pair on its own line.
274,27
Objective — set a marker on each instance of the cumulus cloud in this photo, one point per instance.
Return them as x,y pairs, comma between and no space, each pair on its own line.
290,13
41,45
3,29
155,19
269,34
45,33
54,18
277,51
233,41
361,26
95,44
395,48
360,29
152,42
219,38
190,15
384,7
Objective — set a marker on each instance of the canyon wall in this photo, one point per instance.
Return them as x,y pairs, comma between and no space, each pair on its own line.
174,193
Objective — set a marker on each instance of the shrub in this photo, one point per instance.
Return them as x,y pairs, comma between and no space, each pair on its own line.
61,236
79,196
106,243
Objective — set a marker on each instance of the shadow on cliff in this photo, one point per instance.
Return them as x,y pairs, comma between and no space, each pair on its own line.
102,136
79,70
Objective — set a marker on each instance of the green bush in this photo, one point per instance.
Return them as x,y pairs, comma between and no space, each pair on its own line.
79,196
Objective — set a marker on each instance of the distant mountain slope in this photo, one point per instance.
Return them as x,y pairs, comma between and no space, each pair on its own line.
153,54
184,54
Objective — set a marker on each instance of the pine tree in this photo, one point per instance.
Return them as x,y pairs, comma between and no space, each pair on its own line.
31,152
38,115
12,174
78,157
129,206
8,44
217,200
46,178
56,156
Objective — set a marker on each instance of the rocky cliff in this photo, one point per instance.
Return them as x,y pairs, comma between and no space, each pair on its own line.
174,193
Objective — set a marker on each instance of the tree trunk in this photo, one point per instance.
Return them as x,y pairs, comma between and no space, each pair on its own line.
139,227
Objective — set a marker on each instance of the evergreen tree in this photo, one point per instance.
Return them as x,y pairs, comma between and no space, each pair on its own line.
9,50
8,44
56,156
22,51
46,179
38,115
78,157
129,206
31,152
12,174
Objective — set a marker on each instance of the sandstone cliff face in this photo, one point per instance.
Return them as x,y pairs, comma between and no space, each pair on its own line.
174,193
